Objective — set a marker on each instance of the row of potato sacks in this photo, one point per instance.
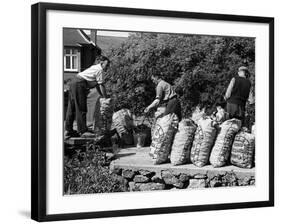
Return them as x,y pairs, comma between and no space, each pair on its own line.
202,143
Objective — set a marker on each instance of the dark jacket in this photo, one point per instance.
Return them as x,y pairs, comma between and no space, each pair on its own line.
240,91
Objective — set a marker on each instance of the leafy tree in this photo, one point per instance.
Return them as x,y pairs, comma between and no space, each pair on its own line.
201,66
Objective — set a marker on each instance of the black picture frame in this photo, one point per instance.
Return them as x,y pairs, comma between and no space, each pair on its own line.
38,108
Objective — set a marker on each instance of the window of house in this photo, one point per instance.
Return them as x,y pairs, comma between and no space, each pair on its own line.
71,58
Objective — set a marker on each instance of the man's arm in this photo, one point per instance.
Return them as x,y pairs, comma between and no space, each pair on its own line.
100,84
229,89
159,95
155,103
101,90
251,98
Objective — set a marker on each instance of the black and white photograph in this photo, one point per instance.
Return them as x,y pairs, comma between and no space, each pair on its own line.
142,111
146,111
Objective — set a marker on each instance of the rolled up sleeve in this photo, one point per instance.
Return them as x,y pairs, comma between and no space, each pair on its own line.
159,92
229,89
100,77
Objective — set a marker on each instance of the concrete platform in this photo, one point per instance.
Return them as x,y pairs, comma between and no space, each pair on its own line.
136,159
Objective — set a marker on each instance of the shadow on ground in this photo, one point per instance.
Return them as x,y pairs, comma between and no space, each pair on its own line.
25,214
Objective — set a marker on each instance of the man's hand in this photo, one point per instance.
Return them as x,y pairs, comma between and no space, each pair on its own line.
101,90
154,104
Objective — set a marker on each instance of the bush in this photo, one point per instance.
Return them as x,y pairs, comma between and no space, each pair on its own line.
201,66
88,172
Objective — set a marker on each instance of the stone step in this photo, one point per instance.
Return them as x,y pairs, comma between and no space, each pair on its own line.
79,141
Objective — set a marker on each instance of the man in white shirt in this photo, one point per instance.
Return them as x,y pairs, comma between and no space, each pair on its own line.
92,77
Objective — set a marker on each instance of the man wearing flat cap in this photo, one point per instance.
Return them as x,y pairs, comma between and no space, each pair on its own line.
237,94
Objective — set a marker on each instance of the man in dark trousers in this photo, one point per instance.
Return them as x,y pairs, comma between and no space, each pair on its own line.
92,77
166,97
237,94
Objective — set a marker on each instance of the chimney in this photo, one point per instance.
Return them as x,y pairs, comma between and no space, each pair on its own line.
93,36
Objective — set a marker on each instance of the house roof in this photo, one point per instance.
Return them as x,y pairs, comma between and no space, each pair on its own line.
75,38
108,42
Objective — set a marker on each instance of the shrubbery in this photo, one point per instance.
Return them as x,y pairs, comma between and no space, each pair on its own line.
86,171
200,66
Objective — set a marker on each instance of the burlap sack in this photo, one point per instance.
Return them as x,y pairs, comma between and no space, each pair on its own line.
203,141
122,121
104,122
162,138
181,147
158,114
198,114
243,149
221,150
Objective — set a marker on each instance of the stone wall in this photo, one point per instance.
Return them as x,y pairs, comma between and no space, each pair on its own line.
147,180
135,169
